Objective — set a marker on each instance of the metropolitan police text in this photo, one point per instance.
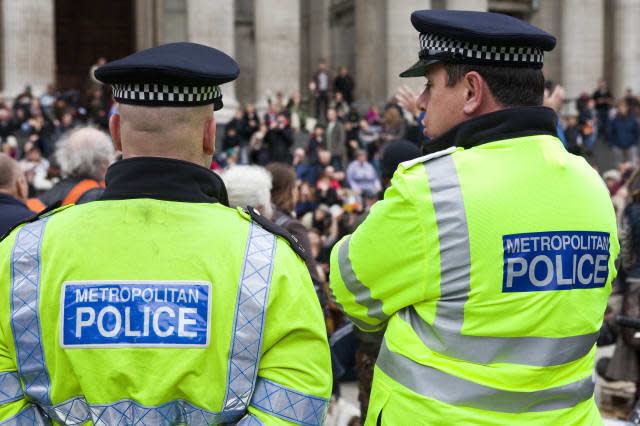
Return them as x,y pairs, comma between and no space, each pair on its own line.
119,295
145,313
555,261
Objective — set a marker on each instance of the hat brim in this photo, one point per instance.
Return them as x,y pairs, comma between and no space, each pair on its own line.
418,69
217,103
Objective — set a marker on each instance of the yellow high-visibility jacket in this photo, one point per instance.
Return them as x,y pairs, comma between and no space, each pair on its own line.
138,310
491,263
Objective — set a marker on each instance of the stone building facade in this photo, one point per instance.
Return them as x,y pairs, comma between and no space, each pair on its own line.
278,43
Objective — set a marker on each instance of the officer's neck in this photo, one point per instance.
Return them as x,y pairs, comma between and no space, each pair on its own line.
505,123
203,160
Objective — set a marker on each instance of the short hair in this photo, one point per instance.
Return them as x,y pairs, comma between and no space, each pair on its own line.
510,86
8,171
283,180
249,186
84,152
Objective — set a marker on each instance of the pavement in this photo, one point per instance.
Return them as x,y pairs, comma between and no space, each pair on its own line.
342,411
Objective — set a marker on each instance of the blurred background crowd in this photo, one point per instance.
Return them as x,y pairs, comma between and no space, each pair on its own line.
315,163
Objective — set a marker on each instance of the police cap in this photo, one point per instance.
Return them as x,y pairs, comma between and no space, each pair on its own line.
478,38
175,74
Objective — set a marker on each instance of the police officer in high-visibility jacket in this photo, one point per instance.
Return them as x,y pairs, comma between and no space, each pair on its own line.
491,257
157,304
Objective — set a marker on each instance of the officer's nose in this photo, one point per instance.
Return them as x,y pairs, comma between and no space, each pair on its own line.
422,100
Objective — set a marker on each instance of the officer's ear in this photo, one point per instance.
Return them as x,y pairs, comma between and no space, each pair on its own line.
474,93
114,129
22,187
209,136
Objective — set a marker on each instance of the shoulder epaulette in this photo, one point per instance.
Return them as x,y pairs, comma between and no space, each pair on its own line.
50,210
268,225
425,158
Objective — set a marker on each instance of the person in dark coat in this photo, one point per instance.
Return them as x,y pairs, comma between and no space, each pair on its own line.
231,138
250,122
604,100
13,193
279,140
623,134
573,136
630,231
344,84
7,127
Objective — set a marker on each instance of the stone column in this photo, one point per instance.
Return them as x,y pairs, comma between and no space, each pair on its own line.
582,41
212,24
371,53
28,46
277,24
174,19
145,17
626,46
402,44
318,38
548,17
319,30
479,5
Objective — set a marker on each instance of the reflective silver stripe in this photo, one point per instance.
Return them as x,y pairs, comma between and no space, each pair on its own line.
363,325
361,292
25,323
250,420
10,387
251,302
28,416
129,412
444,336
25,318
537,351
453,390
76,411
453,234
71,412
289,404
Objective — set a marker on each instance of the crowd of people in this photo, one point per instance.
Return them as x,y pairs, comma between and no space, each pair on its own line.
34,127
600,118
314,164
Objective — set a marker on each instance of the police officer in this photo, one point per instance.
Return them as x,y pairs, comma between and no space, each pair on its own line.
158,304
490,258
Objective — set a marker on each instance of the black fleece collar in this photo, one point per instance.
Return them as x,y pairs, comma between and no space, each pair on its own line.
504,124
163,179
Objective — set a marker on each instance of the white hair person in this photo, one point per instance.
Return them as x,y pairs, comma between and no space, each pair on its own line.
85,152
249,186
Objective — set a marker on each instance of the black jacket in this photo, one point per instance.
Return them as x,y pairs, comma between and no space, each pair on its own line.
12,211
630,241
61,189
345,86
279,142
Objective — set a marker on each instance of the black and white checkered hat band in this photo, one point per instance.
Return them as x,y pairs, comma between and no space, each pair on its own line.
166,94
431,45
